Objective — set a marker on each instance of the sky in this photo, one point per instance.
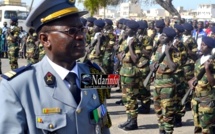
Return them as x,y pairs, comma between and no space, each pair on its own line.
187,4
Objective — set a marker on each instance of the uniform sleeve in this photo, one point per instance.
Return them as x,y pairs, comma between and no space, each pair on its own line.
12,115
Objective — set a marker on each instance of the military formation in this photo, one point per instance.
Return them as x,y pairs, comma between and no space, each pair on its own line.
159,59
17,43
161,55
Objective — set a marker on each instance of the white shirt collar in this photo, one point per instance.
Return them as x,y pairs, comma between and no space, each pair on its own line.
62,72
204,59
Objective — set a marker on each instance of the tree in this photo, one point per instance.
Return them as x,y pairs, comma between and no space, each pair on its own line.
93,7
167,5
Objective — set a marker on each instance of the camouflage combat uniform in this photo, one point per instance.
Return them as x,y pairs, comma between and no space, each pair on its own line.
181,86
129,76
203,102
143,66
41,52
13,47
188,67
94,57
107,61
165,91
32,50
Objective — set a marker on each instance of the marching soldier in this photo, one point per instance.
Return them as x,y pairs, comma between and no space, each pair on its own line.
13,43
129,53
32,48
204,93
145,43
97,44
107,60
164,81
179,75
191,49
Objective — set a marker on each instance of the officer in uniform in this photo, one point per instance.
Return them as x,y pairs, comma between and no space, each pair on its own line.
164,81
129,53
203,101
46,97
145,44
13,43
191,49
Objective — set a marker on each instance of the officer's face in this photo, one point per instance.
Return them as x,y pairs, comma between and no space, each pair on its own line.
63,40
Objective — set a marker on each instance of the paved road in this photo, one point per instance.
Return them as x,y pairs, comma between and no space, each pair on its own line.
147,123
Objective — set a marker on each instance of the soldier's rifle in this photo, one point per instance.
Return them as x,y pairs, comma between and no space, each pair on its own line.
194,83
156,65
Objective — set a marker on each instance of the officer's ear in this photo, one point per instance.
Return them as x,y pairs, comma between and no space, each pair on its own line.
44,39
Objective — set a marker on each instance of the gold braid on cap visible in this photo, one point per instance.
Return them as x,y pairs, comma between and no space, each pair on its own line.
60,13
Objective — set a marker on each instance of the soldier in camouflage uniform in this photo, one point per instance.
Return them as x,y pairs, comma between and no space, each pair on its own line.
179,75
203,101
110,38
145,43
191,49
117,64
32,48
89,35
98,42
129,53
13,43
164,81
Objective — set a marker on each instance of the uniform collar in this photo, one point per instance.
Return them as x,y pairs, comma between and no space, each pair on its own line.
62,72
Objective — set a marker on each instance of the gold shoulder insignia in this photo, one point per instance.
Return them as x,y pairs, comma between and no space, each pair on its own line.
13,73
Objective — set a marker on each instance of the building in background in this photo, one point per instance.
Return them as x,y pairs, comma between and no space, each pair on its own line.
130,10
205,11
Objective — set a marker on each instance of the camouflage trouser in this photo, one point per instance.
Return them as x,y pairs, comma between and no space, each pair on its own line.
144,92
180,92
130,91
203,109
107,65
163,95
13,54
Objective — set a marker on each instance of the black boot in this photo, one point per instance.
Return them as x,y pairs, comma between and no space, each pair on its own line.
178,121
132,125
188,106
197,130
144,108
0,71
125,123
162,132
120,102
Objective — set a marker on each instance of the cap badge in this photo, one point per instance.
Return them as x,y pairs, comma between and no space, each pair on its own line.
71,1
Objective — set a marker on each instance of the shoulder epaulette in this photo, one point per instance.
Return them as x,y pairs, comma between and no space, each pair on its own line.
13,73
88,62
